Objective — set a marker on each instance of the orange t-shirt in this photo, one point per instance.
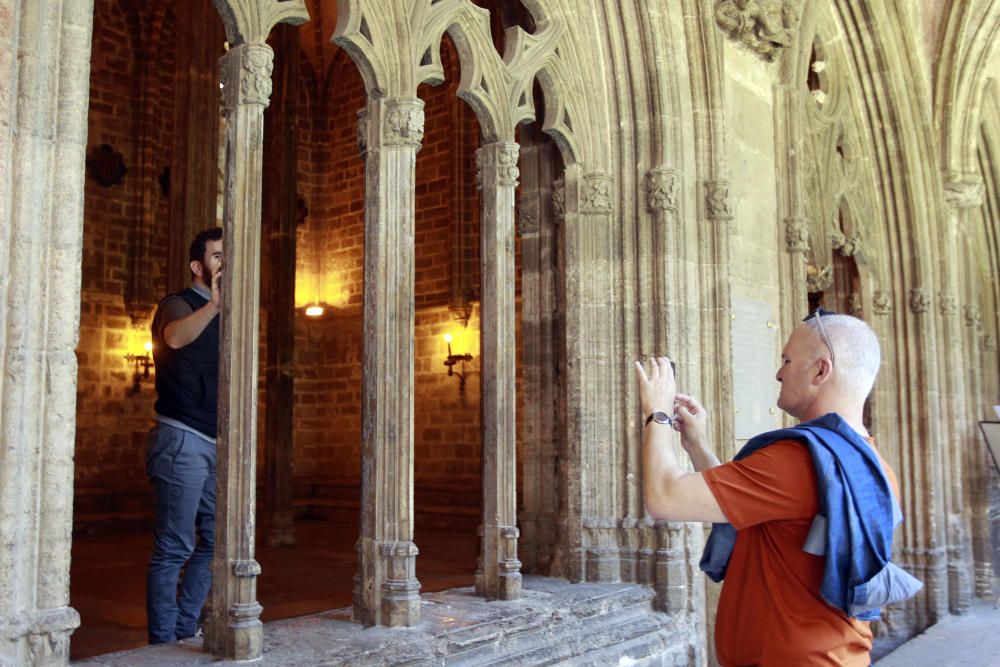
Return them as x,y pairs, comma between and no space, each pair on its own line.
770,612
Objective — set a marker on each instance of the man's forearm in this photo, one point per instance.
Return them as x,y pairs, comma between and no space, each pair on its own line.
659,464
186,330
702,457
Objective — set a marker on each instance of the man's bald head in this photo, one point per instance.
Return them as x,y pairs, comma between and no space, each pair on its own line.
856,352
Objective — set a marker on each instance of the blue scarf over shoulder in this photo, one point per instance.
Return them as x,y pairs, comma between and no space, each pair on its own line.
857,515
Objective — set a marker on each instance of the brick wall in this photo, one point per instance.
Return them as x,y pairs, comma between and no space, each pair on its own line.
112,422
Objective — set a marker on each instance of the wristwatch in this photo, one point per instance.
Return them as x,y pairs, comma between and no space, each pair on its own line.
659,417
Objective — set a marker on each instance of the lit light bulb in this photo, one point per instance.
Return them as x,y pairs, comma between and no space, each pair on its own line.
447,338
147,346
314,311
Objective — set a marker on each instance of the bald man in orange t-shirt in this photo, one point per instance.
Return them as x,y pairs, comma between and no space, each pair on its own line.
770,611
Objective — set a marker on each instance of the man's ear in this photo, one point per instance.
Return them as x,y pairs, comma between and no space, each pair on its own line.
196,268
824,370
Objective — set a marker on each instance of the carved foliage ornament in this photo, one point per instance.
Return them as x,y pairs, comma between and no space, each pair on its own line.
404,124
763,26
947,303
507,171
559,200
257,62
882,302
920,300
363,132
718,200
597,194
973,316
527,214
661,189
846,246
797,235
819,279
989,342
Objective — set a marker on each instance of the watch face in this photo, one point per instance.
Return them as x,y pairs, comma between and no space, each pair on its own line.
661,417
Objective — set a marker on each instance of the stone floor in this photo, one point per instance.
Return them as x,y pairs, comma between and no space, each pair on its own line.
108,579
971,640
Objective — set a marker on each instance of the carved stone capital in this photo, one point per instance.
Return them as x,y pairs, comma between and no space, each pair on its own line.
662,185
819,279
920,300
718,200
964,193
559,200
257,62
797,235
947,303
882,302
498,163
596,194
764,26
404,123
973,316
363,132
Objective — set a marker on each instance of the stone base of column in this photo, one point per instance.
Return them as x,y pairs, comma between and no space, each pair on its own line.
245,633
959,587
386,590
507,570
39,638
603,564
400,588
509,582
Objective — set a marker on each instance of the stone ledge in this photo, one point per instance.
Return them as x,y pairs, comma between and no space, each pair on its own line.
555,622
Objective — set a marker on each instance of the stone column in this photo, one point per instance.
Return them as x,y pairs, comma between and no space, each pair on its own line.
589,544
539,306
45,66
500,574
386,590
235,630
280,205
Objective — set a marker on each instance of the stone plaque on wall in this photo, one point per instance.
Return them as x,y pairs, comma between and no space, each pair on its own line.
755,360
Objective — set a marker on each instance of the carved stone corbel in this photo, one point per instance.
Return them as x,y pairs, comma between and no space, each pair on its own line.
819,279
764,26
920,300
947,304
797,235
718,200
662,185
596,194
973,315
882,302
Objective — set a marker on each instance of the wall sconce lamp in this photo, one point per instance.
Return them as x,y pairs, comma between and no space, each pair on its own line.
314,310
143,361
456,359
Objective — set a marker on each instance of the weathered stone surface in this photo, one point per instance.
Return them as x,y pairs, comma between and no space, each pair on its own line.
553,622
